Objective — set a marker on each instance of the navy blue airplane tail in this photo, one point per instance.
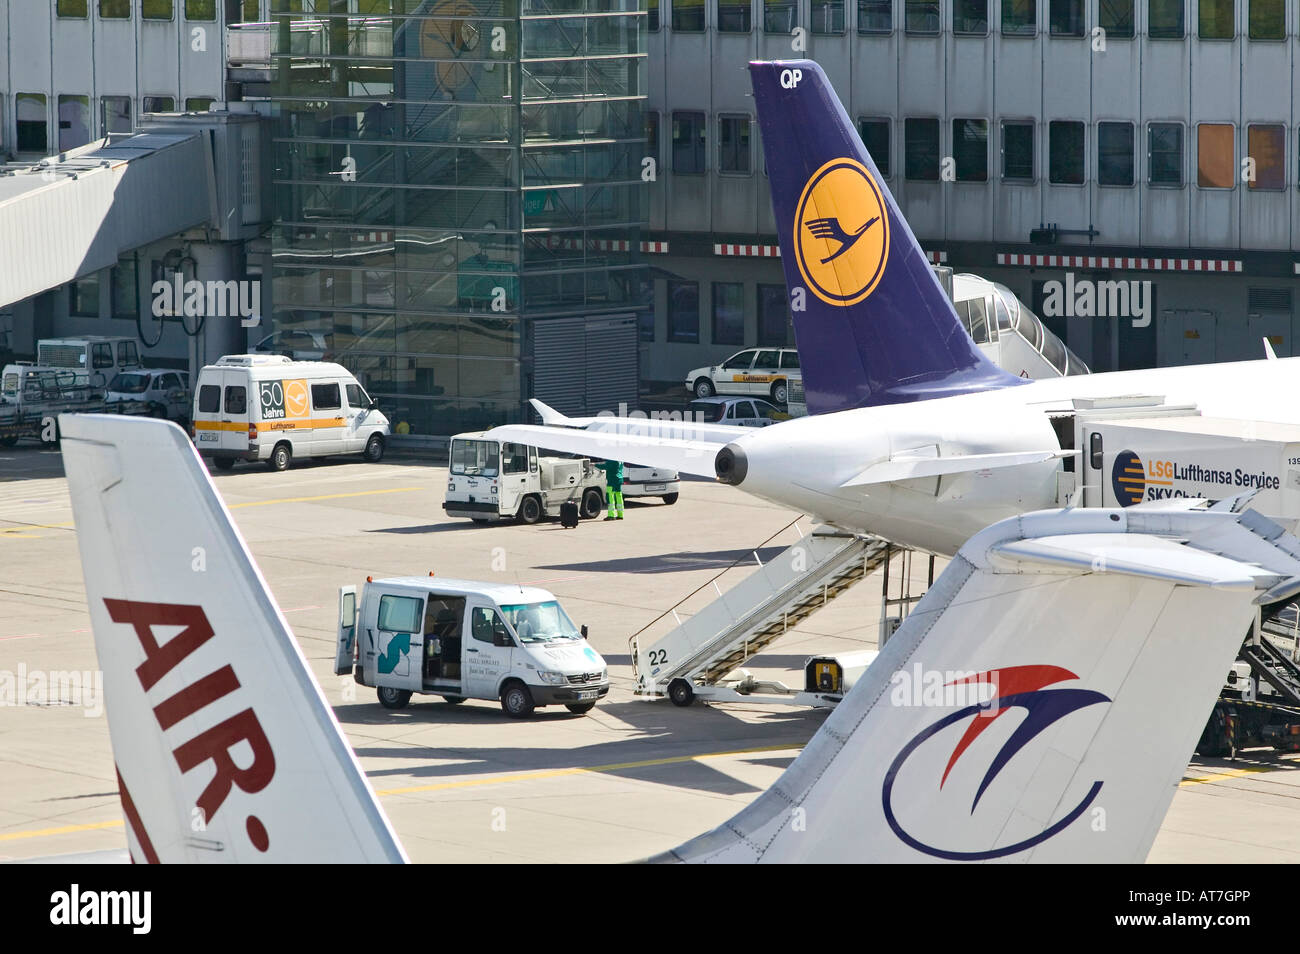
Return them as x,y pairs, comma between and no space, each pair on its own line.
871,321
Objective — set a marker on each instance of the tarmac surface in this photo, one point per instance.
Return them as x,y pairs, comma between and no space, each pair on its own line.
464,783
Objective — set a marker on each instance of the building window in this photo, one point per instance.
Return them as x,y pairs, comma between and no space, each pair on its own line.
921,149
728,313
1165,19
733,145
1065,153
31,121
126,288
1216,156
74,121
1116,18
970,17
828,17
773,315
1214,19
83,297
875,16
158,104
207,10
688,16
1165,154
1266,144
779,16
875,136
684,311
733,16
652,16
157,9
921,16
114,9
1115,154
116,114
198,104
688,143
1065,17
1267,20
1018,17
1018,151
970,149
652,136
72,8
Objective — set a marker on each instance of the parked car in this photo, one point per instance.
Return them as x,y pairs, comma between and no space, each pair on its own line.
163,393
755,371
740,412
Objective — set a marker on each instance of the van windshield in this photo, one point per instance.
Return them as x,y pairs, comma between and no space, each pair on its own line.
475,458
541,622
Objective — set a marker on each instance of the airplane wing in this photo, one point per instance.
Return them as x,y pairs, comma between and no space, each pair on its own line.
1039,704
226,749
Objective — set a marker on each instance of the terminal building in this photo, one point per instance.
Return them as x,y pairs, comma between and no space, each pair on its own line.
471,202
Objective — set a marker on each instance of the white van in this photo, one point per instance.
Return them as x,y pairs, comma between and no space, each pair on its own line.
461,639
267,407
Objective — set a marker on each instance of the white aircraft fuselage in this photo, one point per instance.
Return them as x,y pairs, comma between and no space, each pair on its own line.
802,464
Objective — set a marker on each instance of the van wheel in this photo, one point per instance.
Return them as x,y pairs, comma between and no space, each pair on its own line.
9,441
157,410
516,700
580,708
670,499
453,700
780,391
374,449
223,463
704,388
530,510
280,457
592,503
681,692
391,698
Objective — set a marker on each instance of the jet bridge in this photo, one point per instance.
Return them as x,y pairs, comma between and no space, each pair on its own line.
700,649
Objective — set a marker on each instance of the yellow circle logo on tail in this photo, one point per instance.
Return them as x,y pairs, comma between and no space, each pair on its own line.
841,233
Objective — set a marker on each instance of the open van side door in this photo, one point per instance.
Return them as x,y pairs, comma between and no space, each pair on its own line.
347,630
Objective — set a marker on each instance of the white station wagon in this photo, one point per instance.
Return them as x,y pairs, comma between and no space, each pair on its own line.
763,371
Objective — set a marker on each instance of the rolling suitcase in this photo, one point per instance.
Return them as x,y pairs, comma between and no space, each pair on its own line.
568,514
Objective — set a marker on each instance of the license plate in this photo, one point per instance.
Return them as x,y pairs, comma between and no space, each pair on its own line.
587,694
208,436
654,487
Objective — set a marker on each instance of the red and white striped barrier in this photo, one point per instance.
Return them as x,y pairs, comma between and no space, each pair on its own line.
1122,262
655,248
752,251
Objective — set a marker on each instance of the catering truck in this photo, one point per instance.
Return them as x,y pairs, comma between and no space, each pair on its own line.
461,639
490,481
1162,453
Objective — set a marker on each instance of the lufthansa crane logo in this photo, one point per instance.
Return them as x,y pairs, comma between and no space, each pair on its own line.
1128,478
841,233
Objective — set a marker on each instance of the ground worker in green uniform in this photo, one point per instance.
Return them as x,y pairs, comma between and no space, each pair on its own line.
613,489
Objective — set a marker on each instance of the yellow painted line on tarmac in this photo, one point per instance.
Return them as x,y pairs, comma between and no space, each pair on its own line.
463,783
1224,776
64,830
22,533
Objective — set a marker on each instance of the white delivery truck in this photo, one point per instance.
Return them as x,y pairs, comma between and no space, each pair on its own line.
100,357
267,407
489,481
461,639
